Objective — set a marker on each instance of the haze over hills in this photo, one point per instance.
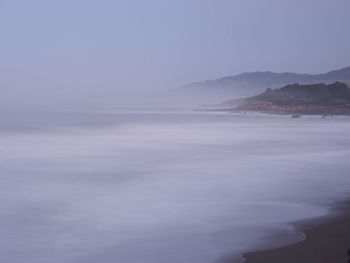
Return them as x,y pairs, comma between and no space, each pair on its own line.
252,83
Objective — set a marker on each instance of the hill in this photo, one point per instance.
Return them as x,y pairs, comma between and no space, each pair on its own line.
320,99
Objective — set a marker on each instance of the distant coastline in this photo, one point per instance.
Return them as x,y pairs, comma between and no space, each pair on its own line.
252,83
296,99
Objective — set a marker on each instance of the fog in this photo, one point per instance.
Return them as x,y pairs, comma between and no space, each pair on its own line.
164,185
101,161
87,52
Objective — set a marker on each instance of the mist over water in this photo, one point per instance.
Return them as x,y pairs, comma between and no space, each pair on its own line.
160,182
174,185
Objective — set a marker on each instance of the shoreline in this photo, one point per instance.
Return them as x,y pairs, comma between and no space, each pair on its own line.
274,112
291,113
327,241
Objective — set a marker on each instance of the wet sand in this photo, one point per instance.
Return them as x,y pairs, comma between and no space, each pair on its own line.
327,241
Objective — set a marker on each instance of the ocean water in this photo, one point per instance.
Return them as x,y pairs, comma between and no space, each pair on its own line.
163,185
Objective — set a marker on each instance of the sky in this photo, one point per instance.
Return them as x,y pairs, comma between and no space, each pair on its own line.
136,45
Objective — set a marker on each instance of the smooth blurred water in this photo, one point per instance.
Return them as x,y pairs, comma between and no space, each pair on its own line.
175,186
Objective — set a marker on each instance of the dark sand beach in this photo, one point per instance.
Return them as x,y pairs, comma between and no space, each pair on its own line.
327,241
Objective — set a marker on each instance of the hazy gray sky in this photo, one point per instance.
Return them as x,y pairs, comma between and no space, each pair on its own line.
164,43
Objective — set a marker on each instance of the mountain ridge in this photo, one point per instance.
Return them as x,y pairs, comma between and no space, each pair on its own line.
250,83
